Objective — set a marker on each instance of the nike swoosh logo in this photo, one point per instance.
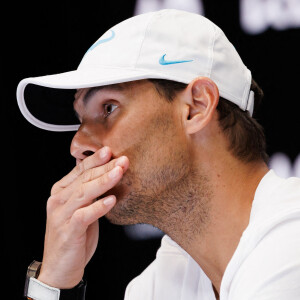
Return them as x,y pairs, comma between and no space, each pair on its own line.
164,62
102,41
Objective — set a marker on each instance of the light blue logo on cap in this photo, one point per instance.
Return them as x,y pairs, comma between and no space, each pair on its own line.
164,62
101,41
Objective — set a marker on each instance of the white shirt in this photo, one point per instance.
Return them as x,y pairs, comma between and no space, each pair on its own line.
264,266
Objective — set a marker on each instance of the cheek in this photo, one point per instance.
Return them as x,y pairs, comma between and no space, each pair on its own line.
159,144
124,137
144,135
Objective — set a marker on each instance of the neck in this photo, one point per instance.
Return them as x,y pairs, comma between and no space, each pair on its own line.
213,226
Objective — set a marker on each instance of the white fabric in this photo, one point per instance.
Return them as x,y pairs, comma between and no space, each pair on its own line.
169,44
250,104
265,265
37,290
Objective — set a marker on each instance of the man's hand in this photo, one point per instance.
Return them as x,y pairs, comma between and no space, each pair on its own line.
72,217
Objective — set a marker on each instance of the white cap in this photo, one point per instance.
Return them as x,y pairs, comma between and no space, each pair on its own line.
166,44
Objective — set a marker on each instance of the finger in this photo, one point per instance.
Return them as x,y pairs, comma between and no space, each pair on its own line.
87,192
85,216
100,157
91,175
92,237
96,172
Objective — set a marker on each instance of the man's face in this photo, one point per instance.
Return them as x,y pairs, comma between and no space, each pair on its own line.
133,120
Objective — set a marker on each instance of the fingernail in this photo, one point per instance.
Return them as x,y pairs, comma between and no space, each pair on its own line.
103,152
109,201
114,173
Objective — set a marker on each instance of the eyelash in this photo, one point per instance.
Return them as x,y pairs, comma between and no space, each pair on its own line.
107,114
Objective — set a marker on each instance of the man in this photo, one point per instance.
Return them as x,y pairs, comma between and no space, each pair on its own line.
166,138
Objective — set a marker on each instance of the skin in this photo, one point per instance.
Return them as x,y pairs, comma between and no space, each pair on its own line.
180,169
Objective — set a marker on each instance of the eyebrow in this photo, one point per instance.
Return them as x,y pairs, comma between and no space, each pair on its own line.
92,91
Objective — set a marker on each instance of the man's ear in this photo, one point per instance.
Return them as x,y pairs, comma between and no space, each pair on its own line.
201,98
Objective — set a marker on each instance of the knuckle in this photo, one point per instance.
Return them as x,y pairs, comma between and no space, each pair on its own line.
79,217
52,203
102,180
87,175
79,193
55,188
63,236
79,169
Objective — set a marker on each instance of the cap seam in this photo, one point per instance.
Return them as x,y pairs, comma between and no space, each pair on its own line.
212,50
142,43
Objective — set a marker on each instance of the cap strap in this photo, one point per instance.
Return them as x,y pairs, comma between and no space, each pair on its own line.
250,103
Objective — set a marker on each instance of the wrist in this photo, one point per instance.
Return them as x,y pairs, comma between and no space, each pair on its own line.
57,282
36,289
57,279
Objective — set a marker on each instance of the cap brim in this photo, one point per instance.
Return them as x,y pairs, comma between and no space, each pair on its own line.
83,78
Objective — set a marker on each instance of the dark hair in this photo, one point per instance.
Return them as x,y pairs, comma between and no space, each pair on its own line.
245,135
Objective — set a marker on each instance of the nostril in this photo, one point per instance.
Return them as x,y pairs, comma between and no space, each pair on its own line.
88,153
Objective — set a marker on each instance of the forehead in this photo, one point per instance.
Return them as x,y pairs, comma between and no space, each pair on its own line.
120,88
133,90
87,93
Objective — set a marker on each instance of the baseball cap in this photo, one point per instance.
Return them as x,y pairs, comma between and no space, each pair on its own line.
167,44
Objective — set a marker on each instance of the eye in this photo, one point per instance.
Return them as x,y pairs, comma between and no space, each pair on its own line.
108,109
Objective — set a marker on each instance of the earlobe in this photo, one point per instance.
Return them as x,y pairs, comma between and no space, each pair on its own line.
202,98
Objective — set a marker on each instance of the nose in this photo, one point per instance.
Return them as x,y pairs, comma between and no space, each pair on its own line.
84,144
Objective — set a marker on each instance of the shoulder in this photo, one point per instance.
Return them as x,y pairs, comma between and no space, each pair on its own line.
275,197
287,188
269,255
271,269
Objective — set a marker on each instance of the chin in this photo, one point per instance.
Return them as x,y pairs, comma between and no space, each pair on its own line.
118,216
126,210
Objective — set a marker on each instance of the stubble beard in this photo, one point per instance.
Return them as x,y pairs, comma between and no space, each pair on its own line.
172,195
